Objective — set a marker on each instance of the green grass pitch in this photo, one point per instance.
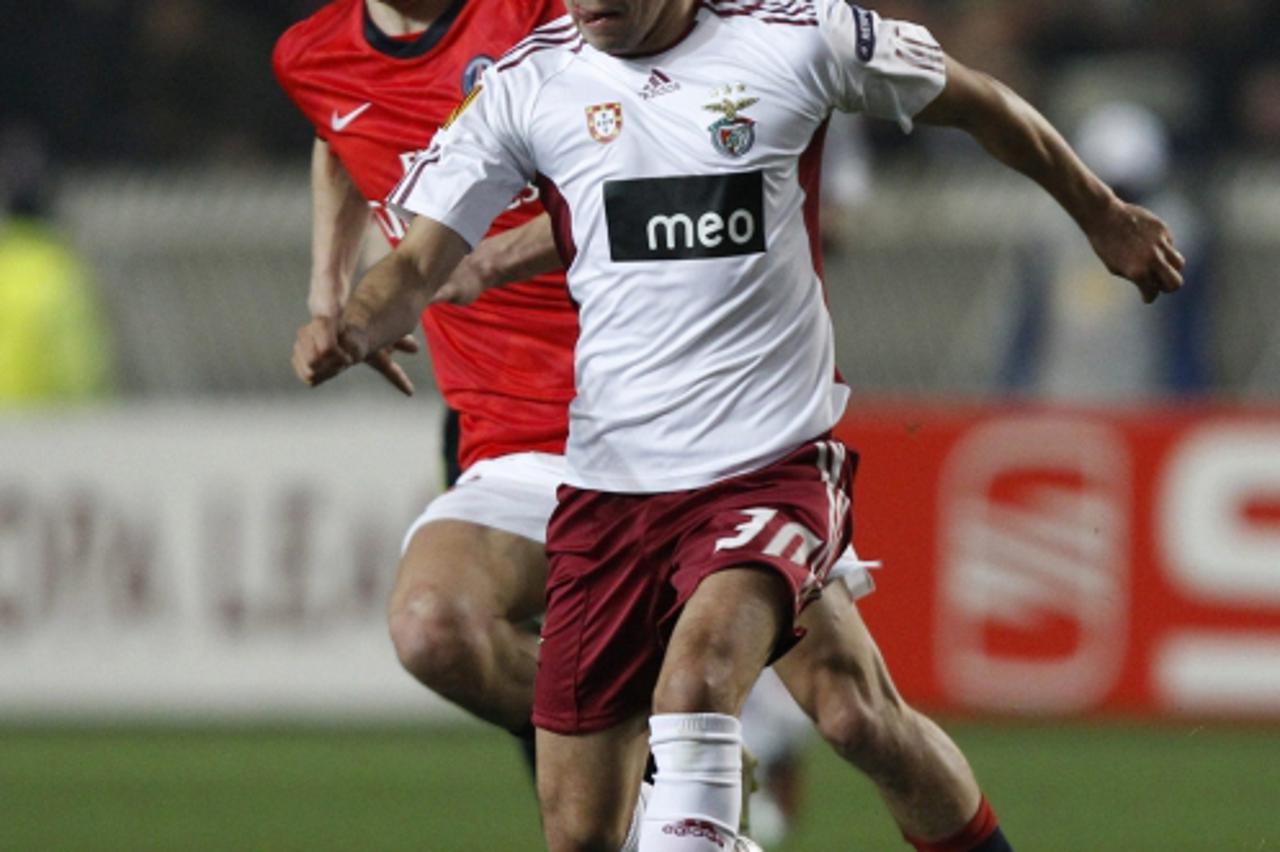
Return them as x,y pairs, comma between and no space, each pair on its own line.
1058,788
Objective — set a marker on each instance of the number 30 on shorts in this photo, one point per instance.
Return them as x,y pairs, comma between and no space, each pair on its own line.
792,536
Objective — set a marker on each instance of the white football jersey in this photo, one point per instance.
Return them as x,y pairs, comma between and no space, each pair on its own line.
683,188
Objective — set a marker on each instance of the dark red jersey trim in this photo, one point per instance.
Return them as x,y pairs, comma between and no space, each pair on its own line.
924,55
400,195
541,35
922,64
544,44
536,41
794,7
809,174
547,29
759,16
769,12
930,48
550,38
561,218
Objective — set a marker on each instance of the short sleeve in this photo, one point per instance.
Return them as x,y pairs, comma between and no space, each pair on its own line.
885,68
284,63
475,166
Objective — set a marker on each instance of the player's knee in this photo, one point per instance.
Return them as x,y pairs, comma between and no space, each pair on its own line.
438,640
704,685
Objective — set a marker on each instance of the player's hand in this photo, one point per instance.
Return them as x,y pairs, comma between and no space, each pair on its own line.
1133,243
469,280
387,366
317,357
325,347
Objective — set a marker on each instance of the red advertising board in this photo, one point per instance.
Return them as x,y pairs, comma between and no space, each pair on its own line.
1050,561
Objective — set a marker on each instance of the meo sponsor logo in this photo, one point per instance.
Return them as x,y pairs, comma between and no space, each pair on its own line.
685,218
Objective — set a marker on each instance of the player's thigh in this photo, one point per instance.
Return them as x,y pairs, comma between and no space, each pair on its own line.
837,660
722,639
497,571
588,783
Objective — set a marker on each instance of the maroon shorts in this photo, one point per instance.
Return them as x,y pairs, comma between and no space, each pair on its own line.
623,565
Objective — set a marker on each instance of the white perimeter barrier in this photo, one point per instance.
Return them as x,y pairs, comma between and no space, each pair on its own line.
210,560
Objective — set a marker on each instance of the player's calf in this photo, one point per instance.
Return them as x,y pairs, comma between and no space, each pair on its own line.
922,775
866,723
839,678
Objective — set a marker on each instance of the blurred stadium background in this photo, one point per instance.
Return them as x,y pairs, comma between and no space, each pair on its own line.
1077,501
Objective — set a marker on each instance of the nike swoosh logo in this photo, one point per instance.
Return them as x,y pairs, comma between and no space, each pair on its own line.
339,122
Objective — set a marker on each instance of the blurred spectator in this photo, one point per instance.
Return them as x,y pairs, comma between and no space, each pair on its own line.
52,342
1083,334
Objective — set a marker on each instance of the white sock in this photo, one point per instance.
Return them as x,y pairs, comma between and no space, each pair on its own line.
632,843
697,790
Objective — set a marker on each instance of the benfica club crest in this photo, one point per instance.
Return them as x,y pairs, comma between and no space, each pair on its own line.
734,134
604,122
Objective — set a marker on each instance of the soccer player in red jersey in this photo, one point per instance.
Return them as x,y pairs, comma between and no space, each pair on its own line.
376,79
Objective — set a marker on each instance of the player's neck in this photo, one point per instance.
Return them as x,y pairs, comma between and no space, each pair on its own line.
405,17
669,29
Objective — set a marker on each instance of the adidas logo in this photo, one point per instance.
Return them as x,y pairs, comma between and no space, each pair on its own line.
658,84
699,828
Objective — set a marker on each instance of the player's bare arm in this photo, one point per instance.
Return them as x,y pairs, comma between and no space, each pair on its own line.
515,255
1131,241
386,304
339,220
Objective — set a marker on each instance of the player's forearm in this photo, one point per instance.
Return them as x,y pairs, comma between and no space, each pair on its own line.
340,216
517,254
1016,134
393,293
386,303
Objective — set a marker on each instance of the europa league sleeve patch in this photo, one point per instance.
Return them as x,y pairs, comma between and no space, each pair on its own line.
462,107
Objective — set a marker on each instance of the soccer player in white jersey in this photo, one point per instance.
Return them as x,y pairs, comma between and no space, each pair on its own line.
675,143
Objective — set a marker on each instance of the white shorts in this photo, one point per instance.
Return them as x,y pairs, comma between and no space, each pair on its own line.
516,493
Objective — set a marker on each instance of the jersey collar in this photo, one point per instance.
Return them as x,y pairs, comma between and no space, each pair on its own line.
398,49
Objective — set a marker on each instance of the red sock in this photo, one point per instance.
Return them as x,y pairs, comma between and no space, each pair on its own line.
978,831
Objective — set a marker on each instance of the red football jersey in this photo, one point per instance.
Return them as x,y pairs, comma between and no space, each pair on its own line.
504,363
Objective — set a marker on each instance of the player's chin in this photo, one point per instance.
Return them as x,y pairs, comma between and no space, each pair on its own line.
607,31
606,45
